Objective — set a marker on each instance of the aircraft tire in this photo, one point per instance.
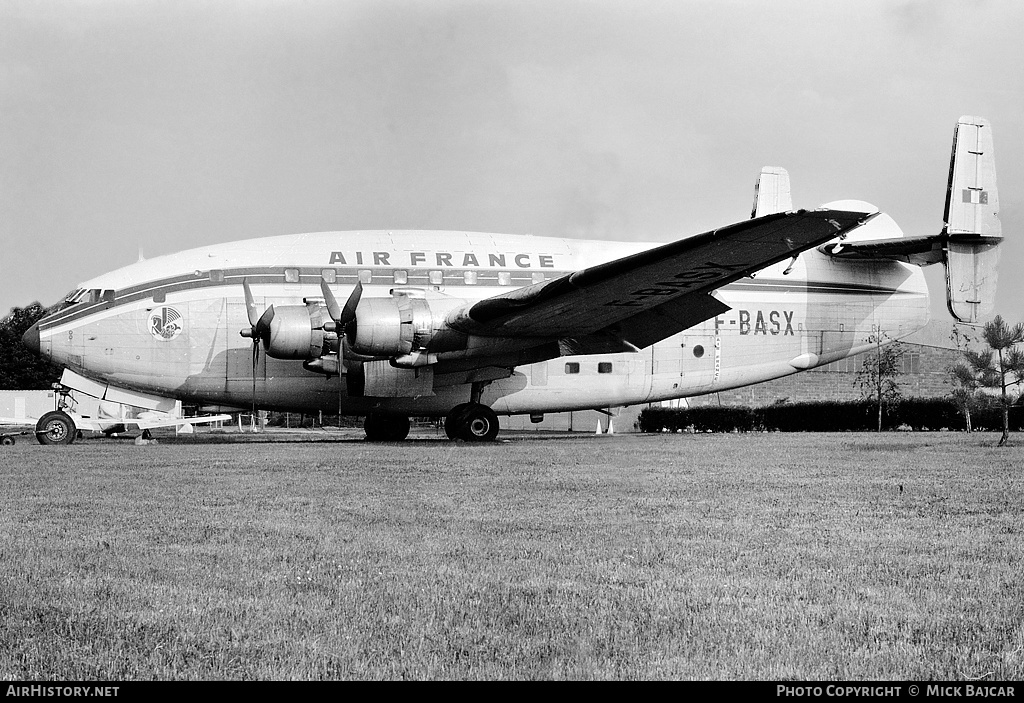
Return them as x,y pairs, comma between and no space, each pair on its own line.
386,428
478,423
56,427
453,420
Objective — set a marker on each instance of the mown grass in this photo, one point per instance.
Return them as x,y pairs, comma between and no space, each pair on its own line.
844,556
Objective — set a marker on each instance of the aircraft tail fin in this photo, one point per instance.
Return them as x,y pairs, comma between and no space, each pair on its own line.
771,192
972,226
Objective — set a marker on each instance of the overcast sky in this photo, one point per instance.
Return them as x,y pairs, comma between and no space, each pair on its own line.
169,125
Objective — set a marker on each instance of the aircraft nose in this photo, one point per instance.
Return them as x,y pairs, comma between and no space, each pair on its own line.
31,339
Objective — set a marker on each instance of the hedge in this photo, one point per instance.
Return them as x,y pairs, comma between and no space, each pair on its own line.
824,416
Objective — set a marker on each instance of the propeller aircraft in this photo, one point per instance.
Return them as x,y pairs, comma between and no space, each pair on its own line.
469,326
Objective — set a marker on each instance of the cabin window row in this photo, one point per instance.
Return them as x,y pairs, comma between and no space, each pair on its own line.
572,367
439,278
401,277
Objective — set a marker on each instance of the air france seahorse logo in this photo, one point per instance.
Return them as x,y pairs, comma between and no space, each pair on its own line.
165,324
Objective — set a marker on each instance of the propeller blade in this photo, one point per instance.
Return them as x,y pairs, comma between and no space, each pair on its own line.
261,329
349,313
255,364
250,305
333,309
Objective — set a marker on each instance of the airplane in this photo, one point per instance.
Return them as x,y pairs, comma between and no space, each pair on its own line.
468,326
104,416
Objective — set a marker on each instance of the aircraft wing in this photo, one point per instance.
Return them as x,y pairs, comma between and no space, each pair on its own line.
630,303
149,423
17,422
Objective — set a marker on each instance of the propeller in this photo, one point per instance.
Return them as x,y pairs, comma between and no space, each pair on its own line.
341,318
259,331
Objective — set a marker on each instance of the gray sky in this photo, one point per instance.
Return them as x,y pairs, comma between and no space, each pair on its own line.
169,125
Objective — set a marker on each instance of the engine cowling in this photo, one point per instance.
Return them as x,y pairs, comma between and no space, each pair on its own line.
401,325
390,326
296,332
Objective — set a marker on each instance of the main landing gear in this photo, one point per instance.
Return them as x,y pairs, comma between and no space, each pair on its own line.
471,422
380,427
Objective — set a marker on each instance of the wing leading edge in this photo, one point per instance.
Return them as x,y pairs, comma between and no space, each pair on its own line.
630,303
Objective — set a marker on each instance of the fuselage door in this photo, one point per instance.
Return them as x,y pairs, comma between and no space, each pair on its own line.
701,360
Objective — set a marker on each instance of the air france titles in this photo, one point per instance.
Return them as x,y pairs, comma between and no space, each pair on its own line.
441,259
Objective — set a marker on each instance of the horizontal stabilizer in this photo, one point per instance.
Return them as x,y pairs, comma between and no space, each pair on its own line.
912,250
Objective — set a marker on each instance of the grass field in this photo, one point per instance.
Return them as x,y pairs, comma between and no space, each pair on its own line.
764,556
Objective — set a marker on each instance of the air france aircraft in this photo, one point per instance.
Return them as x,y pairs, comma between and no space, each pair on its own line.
469,326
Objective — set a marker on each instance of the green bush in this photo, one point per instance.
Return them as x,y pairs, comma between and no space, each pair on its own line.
824,416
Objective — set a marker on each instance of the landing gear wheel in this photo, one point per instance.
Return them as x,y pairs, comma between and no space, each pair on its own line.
475,423
386,428
56,427
453,420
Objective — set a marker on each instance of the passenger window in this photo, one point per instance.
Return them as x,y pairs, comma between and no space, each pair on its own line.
436,278
572,367
401,277
504,278
216,276
329,275
604,367
160,297
291,275
538,277
469,278
365,276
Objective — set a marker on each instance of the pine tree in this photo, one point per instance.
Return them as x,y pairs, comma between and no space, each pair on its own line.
965,382
1001,365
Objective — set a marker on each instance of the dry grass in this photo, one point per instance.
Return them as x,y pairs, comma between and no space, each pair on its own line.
630,557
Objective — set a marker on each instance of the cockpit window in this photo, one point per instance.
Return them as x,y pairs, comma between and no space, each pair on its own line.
75,296
89,295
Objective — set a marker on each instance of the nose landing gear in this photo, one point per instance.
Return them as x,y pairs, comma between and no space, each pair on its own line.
56,427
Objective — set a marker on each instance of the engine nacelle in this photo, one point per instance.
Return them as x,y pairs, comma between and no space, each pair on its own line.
401,325
390,326
296,332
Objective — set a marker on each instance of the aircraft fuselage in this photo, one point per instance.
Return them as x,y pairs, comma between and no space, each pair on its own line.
170,326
